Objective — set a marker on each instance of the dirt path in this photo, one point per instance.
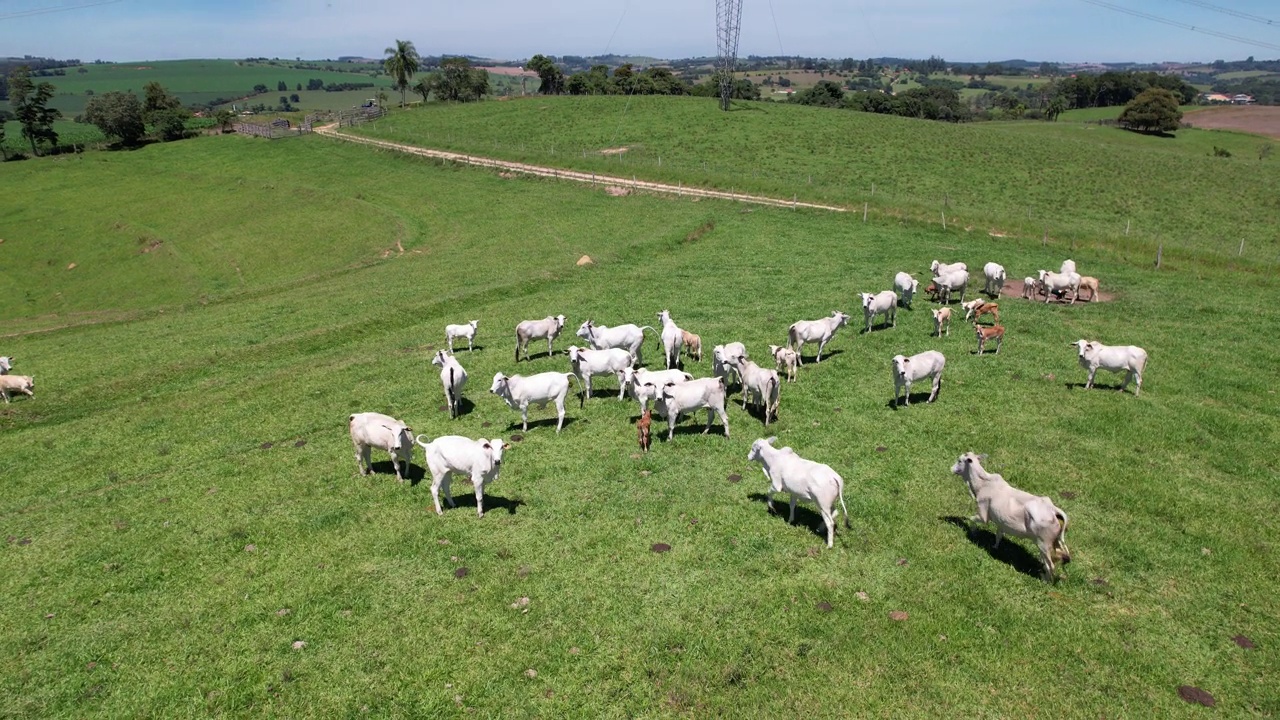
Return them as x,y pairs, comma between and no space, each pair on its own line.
574,176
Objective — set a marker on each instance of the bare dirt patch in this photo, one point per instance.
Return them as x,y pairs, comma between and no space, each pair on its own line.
616,191
1256,119
614,151
1013,289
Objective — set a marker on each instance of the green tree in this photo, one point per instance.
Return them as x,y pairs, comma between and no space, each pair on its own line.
259,89
4,152
164,112
1154,110
282,86
457,81
117,115
401,63
293,97
30,104
550,75
224,118
425,86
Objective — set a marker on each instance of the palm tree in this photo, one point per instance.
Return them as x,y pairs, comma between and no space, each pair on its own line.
401,63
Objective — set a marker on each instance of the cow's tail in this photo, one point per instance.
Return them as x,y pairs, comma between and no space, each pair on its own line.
1060,540
771,403
453,399
791,337
843,509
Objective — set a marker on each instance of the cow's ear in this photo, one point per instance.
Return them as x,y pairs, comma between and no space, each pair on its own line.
487,446
506,446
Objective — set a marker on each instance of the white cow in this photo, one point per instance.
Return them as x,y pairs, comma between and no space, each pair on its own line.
1015,512
938,268
994,272
6,364
519,392
602,337
885,303
374,430
680,398
1030,286
906,286
449,455
467,331
548,327
1068,267
590,363
453,377
819,331
1055,283
803,479
24,384
1128,359
760,386
720,365
672,339
646,385
785,358
907,370
950,282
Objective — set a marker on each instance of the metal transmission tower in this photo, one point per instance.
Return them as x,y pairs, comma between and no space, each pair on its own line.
728,24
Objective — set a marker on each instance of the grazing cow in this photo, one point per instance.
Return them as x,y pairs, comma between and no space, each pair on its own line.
941,317
984,334
589,363
646,385
785,358
994,273
819,331
1128,359
6,364
938,268
672,339
480,460
679,398
803,479
1015,512
692,345
906,286
628,337
24,384
643,427
453,377
1058,283
1092,284
548,327
374,430
720,365
519,392
1068,267
760,386
885,303
949,283
933,292
467,331
906,370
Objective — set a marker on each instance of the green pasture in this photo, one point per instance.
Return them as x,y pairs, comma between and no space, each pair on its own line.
186,534
69,133
1078,183
1244,74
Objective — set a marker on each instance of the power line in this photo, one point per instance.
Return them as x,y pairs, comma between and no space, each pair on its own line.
44,11
1228,11
1184,26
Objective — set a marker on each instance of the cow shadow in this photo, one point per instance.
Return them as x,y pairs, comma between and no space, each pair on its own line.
884,325
1096,386
921,398
596,392
467,499
462,351
1010,552
813,359
465,407
535,356
541,422
687,427
415,474
805,516
756,412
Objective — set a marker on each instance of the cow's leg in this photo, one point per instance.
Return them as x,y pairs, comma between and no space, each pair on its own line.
477,480
559,413
792,519
831,527
1089,385
436,479
937,383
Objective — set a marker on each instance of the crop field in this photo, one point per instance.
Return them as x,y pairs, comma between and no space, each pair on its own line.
1077,183
69,133
186,533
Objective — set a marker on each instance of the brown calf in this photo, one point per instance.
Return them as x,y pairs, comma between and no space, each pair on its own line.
642,427
692,345
995,332
1092,284
987,308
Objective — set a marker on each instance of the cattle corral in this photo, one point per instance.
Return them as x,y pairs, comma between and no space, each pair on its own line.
181,491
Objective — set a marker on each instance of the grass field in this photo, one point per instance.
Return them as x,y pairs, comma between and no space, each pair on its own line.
1081,183
181,504
69,133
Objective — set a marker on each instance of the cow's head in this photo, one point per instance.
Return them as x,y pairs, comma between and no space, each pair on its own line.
499,386
756,453
841,318
900,365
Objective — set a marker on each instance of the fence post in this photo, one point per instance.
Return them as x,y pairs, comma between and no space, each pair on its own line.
1159,254
793,201
873,189
1241,248
1126,228
944,219
864,212
1045,240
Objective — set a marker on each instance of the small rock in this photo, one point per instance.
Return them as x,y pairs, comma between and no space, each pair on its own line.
49,616
90,666
443,541
282,612
645,473
585,260
824,607
485,424
1067,495
813,552
299,644
901,562
448,686
1206,551
454,558
72,266
942,638
266,445
1243,642
898,616
1050,377
457,700
881,448
523,572
250,548
521,602
517,438
531,673
300,443
460,573
735,478
863,596
1195,695
574,651
1100,582
660,547
25,541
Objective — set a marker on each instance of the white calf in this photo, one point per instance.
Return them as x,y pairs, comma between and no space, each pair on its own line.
548,327
679,398
453,377
480,460
672,339
467,331
590,363
17,384
994,272
785,358
646,385
1015,512
1055,283
803,479
907,370
721,367
602,337
760,385
819,331
885,303
374,430
519,392
1128,359
906,286
949,283
1029,287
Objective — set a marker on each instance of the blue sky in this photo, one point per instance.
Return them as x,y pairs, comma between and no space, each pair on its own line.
1062,30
